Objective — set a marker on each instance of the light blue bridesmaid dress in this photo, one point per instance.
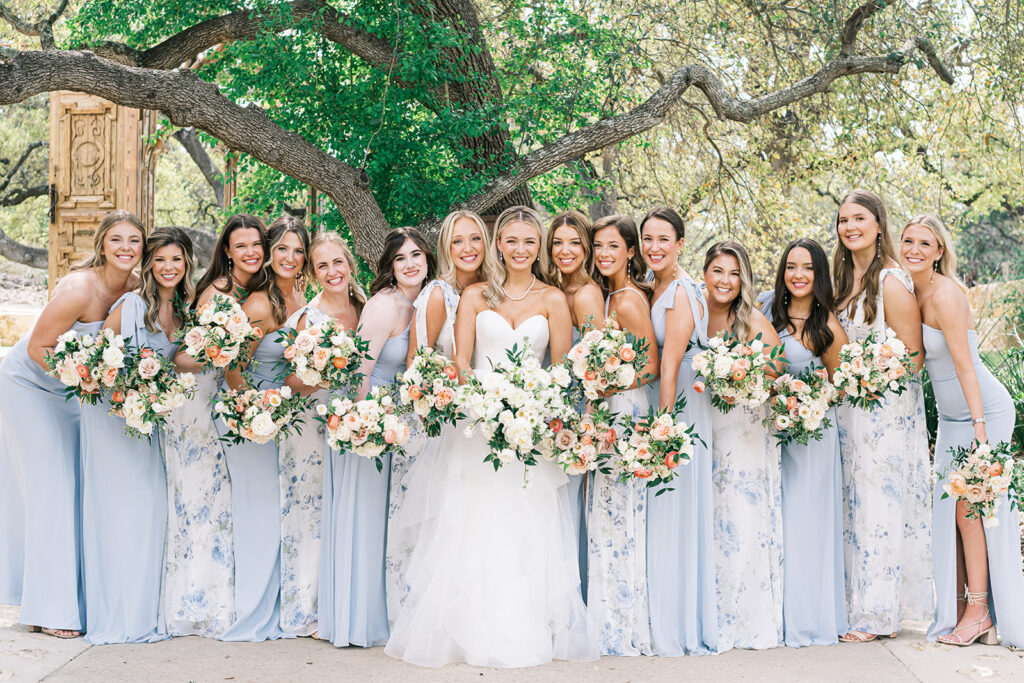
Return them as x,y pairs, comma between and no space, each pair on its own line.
124,510
353,607
814,593
12,524
41,435
578,503
256,520
680,550
1006,588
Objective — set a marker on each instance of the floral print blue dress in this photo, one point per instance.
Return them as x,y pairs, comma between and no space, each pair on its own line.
887,498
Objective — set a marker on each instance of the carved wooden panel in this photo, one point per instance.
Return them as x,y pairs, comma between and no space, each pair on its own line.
98,163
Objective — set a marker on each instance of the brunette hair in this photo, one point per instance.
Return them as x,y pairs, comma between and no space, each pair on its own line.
581,224
354,290
816,330
386,263
282,226
842,259
636,268
97,259
669,215
220,265
149,290
742,305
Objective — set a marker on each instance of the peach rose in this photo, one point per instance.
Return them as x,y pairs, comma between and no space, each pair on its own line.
333,421
627,354
699,387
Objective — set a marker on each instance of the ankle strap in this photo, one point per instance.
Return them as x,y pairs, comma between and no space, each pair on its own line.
980,597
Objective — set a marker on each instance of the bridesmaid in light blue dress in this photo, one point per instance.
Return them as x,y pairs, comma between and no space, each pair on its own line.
198,592
972,405
253,467
41,434
463,259
353,607
814,593
571,268
680,549
124,490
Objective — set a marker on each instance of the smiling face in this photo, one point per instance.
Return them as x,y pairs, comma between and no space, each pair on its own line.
245,249
722,277
410,265
857,227
331,267
919,249
288,256
122,246
611,255
169,266
467,245
567,250
519,246
799,274
659,245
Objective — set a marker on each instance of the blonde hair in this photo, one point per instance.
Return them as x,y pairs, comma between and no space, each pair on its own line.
355,292
581,224
842,259
946,265
744,304
97,259
494,293
446,270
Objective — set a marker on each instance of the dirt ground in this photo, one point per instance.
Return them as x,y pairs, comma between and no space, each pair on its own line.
21,285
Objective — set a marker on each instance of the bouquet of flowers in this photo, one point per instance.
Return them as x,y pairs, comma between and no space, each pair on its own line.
654,446
217,333
797,411
259,415
429,388
607,359
369,428
980,475
86,363
735,369
515,405
581,443
869,368
147,391
325,354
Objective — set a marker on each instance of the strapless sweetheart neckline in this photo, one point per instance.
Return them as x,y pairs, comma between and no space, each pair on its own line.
512,327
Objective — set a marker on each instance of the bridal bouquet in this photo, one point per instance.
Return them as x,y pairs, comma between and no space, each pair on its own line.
86,363
259,415
369,428
324,354
147,391
581,442
607,359
514,405
980,475
429,388
217,333
869,368
797,412
735,369
652,447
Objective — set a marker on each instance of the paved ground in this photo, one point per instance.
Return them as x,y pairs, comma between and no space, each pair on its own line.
27,656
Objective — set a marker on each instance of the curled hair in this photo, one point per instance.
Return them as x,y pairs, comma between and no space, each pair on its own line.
636,268
946,265
494,292
220,264
842,259
149,290
392,245
743,305
581,224
446,270
355,292
670,216
282,226
816,330
113,218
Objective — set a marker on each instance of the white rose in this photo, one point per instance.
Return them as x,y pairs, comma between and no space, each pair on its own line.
113,357
263,425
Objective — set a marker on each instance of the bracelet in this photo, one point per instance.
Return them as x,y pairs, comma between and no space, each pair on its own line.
979,421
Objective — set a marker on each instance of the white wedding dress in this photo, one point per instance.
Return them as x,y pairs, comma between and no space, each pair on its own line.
493,579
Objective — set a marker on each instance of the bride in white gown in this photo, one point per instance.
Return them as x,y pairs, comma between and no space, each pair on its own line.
494,579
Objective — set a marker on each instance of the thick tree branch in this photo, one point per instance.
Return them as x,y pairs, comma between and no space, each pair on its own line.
189,101
190,141
853,25
20,194
22,253
42,27
5,181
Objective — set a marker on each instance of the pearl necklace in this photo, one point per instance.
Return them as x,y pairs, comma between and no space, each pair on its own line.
528,290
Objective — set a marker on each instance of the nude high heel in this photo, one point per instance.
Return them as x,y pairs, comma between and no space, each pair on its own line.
987,636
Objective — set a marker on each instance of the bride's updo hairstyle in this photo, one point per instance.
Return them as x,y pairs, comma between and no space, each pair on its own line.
743,305
494,293
946,265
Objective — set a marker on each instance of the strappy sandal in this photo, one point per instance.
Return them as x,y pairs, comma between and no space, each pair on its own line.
64,633
863,636
988,636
